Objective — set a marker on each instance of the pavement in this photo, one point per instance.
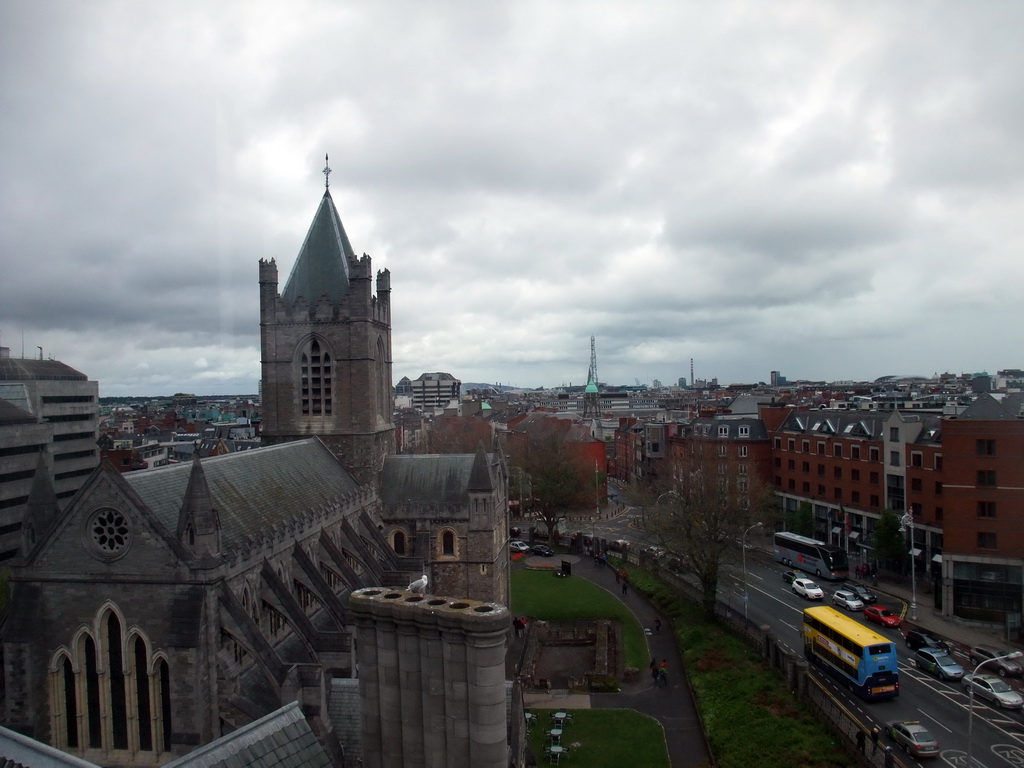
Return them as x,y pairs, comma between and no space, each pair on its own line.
672,705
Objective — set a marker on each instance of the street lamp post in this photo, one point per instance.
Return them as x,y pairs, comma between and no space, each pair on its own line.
743,546
907,521
970,706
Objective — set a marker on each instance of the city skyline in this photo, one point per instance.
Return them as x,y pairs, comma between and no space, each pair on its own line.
825,190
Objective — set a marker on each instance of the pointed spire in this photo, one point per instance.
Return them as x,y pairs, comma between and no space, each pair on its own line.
42,507
325,259
198,521
480,476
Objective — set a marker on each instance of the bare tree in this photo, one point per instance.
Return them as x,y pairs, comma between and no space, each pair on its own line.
703,516
559,481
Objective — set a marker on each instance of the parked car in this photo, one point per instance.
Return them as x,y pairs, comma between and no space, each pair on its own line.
807,589
866,595
844,598
788,576
1004,667
995,690
918,638
619,545
543,550
882,615
518,546
913,737
937,662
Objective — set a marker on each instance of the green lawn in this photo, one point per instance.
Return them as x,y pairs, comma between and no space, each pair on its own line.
606,738
539,595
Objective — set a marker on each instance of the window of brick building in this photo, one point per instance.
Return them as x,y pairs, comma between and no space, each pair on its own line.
874,501
778,463
791,464
821,490
938,461
915,484
792,484
777,443
837,473
807,487
938,488
821,470
916,459
855,497
987,477
938,514
855,475
806,466
986,540
986,509
873,454
874,478
821,448
805,446
792,444
986,447
855,452
838,494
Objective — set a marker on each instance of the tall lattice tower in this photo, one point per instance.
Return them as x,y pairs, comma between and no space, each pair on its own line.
591,397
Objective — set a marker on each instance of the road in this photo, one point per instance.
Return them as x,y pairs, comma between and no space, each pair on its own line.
997,739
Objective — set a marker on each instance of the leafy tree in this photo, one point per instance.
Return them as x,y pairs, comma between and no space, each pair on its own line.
889,541
704,516
803,519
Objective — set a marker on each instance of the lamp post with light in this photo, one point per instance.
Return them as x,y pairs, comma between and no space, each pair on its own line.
907,521
970,706
743,546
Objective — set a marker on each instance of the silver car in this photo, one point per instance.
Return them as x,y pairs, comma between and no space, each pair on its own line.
846,598
938,662
994,689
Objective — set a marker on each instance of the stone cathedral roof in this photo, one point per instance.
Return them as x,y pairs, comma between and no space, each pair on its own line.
427,478
252,490
323,262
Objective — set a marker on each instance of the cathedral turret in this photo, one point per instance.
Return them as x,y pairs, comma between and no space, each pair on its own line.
198,521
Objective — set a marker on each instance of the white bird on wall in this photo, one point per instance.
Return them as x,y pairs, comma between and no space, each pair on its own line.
420,585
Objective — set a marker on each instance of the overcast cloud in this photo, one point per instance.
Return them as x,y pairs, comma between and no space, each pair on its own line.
829,189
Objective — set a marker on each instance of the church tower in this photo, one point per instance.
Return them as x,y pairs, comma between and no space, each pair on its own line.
325,345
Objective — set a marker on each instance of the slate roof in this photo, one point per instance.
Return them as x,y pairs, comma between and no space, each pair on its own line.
20,751
10,414
345,710
426,478
282,739
323,262
251,490
987,408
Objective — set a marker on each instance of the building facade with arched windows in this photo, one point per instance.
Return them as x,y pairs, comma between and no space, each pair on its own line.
162,609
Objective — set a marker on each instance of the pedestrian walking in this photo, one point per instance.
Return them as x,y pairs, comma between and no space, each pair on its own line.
860,740
663,677
654,671
625,585
657,624
616,577
874,739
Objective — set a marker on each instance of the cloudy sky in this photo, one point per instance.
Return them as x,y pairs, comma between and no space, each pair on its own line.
829,189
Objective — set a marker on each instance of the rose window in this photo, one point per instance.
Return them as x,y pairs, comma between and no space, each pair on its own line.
110,531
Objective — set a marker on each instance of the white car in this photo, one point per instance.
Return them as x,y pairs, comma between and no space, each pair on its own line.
807,589
845,598
994,689
518,546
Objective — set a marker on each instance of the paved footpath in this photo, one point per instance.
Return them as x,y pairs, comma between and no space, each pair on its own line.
672,706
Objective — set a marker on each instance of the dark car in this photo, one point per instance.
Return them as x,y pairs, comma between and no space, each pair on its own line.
913,737
866,595
788,576
1005,667
918,638
543,550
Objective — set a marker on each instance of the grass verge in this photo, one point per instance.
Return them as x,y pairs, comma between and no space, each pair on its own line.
540,595
750,717
606,738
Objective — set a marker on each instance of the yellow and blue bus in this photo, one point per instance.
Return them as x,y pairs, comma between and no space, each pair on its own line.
860,658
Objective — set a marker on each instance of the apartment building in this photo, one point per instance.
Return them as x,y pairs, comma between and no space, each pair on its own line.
63,405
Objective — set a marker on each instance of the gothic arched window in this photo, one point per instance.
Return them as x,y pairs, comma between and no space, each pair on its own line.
108,693
315,381
448,543
398,541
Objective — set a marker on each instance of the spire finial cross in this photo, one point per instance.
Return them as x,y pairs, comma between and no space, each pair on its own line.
327,173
